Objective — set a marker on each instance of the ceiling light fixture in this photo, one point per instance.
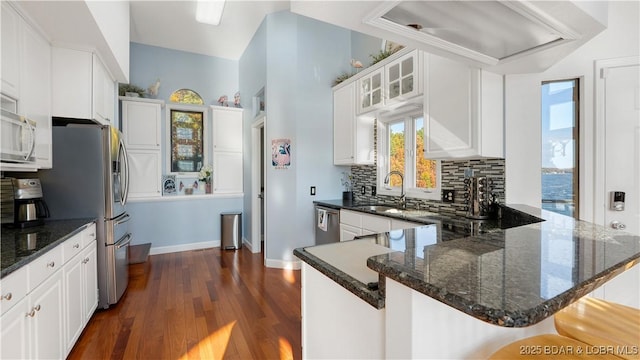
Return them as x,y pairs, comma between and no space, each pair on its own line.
209,11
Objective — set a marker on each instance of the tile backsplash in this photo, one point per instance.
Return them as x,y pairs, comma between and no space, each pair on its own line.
452,177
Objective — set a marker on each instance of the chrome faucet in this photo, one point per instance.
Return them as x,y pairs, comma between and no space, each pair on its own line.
403,197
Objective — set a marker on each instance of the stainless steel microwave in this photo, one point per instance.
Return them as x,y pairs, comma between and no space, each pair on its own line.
18,139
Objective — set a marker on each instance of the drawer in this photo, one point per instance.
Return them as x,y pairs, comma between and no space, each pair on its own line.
72,247
89,235
44,266
13,288
376,224
351,218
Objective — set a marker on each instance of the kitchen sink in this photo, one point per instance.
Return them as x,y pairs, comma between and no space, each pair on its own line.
387,209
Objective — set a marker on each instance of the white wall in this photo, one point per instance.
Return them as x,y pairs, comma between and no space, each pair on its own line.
522,108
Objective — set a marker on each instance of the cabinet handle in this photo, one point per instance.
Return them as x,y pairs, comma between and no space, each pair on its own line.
31,313
86,260
37,307
7,297
51,264
92,235
76,246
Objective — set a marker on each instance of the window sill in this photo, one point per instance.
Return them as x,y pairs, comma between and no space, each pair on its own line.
185,197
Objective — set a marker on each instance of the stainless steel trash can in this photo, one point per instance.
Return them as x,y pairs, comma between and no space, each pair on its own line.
231,230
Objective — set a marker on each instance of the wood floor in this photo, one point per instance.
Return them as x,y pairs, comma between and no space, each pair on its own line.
203,304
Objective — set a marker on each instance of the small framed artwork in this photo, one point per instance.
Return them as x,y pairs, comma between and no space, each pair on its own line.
281,153
168,185
189,185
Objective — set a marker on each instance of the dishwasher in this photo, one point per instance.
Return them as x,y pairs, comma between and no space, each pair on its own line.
327,225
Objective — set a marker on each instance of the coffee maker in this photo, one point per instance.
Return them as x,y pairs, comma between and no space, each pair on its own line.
30,208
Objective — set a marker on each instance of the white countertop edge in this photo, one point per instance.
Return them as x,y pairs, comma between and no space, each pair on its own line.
185,197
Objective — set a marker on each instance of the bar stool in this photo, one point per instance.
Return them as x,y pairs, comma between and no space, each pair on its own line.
602,323
547,346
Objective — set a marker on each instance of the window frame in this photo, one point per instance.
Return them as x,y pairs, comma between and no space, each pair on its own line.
383,166
205,135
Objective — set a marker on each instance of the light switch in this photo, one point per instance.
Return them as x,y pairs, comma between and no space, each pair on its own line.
313,191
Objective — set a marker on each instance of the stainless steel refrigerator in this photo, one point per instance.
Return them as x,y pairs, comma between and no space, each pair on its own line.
90,178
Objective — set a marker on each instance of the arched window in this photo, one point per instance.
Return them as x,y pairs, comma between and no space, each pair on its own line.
186,96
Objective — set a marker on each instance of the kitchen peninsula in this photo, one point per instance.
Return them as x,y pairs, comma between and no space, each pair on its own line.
431,292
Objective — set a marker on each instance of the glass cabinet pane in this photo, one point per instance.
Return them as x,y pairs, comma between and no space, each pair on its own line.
376,97
365,85
394,72
376,81
407,85
407,66
366,102
394,89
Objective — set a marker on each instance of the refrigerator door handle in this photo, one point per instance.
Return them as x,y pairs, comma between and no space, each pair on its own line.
124,242
122,220
124,185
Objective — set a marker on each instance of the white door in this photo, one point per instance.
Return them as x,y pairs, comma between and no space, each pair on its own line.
619,101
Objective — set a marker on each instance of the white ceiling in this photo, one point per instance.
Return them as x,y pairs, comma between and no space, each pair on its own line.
172,24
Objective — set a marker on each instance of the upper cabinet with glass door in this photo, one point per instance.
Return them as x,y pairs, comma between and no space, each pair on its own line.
371,91
402,77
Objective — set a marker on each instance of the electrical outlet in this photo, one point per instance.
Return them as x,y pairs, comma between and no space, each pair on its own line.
448,196
373,190
363,190
313,191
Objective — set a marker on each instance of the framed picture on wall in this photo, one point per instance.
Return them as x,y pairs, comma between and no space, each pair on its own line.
168,185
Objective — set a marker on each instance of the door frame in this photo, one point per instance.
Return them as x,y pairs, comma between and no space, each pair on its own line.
256,214
601,68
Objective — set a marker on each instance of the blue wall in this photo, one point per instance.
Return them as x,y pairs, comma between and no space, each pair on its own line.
295,59
170,224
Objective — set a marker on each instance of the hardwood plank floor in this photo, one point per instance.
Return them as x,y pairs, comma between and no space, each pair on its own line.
202,304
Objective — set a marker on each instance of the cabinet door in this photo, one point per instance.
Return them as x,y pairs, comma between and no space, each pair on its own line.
403,77
343,125
10,73
72,83
227,173
90,281
375,224
141,125
46,326
370,91
74,313
103,92
14,332
227,129
448,107
145,173
348,232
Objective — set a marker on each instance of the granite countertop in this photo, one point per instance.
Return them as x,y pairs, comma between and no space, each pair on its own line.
508,275
21,246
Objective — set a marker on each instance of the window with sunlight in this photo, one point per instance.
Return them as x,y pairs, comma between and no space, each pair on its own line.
402,146
560,144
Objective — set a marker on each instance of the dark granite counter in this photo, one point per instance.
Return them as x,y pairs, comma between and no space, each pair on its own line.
21,246
504,274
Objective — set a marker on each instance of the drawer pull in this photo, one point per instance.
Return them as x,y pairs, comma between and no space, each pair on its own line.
8,296
37,307
76,246
51,264
31,313
86,260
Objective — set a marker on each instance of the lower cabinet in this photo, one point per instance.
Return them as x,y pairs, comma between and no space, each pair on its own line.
354,223
34,327
47,321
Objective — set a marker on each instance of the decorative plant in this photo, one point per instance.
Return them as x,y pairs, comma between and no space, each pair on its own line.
205,174
125,88
381,55
344,76
347,181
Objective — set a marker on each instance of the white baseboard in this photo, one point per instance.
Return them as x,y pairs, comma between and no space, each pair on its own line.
184,247
249,245
282,264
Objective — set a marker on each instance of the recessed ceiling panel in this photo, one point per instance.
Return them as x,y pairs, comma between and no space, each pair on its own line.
488,27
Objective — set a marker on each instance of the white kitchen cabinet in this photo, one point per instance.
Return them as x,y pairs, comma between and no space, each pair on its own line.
10,74
35,91
142,127
145,173
47,295
349,232
353,142
227,128
371,91
80,291
227,172
403,77
227,150
463,109
355,223
82,86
